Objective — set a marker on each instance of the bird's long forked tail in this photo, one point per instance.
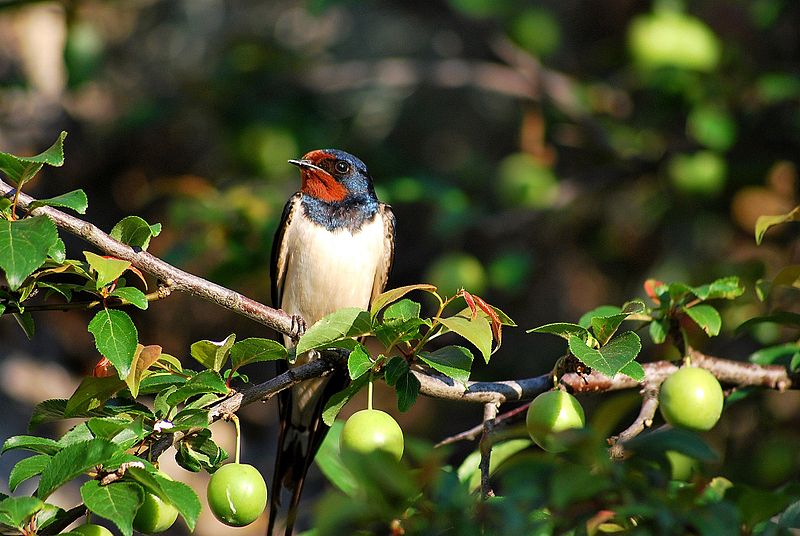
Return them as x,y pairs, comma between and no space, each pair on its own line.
297,446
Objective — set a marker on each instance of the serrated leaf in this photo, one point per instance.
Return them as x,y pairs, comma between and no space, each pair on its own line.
207,381
72,461
469,470
20,169
604,327
143,358
764,223
47,411
564,330
91,394
199,451
407,388
116,338
634,370
359,362
347,322
41,445
117,502
402,310
256,350
135,231
27,468
58,251
785,318
336,402
108,269
382,300
658,330
24,245
706,317
724,288
183,498
75,200
452,361
211,354
477,331
132,295
16,511
604,310
330,463
396,367
610,358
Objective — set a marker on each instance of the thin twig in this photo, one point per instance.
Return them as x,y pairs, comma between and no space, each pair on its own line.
473,433
489,414
643,420
171,276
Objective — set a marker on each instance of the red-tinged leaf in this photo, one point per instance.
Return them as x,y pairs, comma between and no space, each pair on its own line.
395,294
104,369
497,324
470,302
138,274
650,287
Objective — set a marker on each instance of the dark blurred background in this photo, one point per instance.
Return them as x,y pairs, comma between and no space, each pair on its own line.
549,156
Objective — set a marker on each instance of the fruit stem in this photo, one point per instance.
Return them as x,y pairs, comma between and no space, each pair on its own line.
235,420
369,394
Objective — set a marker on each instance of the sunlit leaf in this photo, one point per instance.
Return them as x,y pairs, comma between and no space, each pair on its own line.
394,294
706,317
452,361
75,200
116,338
135,232
764,223
24,245
348,322
20,169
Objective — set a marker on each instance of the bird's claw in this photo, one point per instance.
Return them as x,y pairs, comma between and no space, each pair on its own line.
298,327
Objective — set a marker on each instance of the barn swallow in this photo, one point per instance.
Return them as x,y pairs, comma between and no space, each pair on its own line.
334,248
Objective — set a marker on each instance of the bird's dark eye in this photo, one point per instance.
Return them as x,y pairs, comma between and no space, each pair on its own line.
341,167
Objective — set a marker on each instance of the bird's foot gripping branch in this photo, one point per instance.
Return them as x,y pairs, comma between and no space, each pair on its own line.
140,401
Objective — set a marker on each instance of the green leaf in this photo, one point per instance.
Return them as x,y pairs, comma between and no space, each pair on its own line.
199,451
764,223
91,394
785,318
396,367
24,245
382,300
72,461
477,331
132,295
47,411
790,518
610,358
108,269
604,310
58,251
469,470
116,338
452,361
658,330
20,169
135,232
183,498
336,402
255,350
25,321
75,200
657,442
27,468
212,355
725,288
143,358
407,388
16,511
359,362
348,322
207,381
634,370
402,310
604,327
775,355
42,445
706,317
330,463
117,502
564,330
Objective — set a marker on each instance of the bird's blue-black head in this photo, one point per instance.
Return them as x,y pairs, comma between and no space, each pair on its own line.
332,176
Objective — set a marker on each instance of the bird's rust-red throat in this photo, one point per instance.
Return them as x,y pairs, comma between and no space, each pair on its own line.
317,182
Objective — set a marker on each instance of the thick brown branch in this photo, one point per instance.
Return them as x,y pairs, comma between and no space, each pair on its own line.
174,278
489,414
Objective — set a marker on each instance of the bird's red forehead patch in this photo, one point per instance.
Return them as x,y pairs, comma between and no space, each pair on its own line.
318,182
317,156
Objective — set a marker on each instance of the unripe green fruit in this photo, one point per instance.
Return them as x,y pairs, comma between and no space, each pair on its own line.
550,413
682,467
369,430
91,530
691,398
154,515
237,494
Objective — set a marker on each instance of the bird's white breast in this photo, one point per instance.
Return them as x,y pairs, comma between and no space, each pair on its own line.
328,270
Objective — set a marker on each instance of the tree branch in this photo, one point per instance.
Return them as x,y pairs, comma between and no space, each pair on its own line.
642,421
489,414
172,277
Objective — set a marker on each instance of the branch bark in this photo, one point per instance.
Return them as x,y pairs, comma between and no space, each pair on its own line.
174,278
